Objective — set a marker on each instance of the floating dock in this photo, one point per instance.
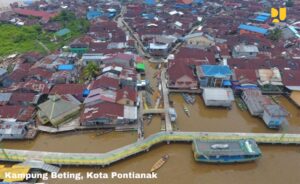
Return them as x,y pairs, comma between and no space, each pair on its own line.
226,151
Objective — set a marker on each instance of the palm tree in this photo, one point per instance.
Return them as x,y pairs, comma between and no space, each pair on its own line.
90,71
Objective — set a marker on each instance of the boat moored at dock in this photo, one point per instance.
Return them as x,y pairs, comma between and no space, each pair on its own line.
226,151
173,114
189,99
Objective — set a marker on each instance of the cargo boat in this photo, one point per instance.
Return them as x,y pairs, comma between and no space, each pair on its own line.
226,151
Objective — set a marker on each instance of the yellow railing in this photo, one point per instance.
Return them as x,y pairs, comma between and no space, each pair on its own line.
129,150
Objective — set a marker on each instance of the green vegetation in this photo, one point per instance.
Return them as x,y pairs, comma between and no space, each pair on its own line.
275,34
21,39
90,71
69,20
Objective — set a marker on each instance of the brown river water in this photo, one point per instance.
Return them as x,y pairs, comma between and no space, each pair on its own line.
278,165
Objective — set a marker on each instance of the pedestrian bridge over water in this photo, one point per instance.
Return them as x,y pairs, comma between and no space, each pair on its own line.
105,159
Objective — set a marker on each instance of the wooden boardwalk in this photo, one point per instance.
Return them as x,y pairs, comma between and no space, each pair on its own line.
165,92
153,111
191,91
105,159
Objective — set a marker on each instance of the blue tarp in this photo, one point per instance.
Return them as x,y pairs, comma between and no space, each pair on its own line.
253,29
86,92
227,83
65,67
219,71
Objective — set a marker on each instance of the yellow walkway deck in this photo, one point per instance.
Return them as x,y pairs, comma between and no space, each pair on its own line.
104,159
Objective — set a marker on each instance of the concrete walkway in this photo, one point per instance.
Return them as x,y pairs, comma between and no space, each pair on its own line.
105,159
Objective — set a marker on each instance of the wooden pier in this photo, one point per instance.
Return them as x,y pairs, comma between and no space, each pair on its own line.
190,91
165,92
153,111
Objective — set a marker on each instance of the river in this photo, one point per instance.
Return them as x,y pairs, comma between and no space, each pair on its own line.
279,164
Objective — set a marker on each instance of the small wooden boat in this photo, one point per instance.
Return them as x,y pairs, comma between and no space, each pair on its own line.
189,99
193,99
159,163
149,119
186,111
275,99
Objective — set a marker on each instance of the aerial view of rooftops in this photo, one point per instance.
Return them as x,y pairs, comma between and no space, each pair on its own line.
150,91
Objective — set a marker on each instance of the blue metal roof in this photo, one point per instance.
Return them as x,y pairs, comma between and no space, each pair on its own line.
148,15
216,70
182,6
253,29
246,87
63,32
2,71
111,14
65,67
293,29
264,14
92,14
199,1
150,2
261,18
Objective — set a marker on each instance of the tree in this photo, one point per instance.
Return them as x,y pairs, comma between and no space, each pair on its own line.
275,34
38,28
69,20
66,15
90,71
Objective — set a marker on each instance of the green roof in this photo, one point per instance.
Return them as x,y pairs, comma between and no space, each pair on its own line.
63,32
235,147
141,66
56,109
